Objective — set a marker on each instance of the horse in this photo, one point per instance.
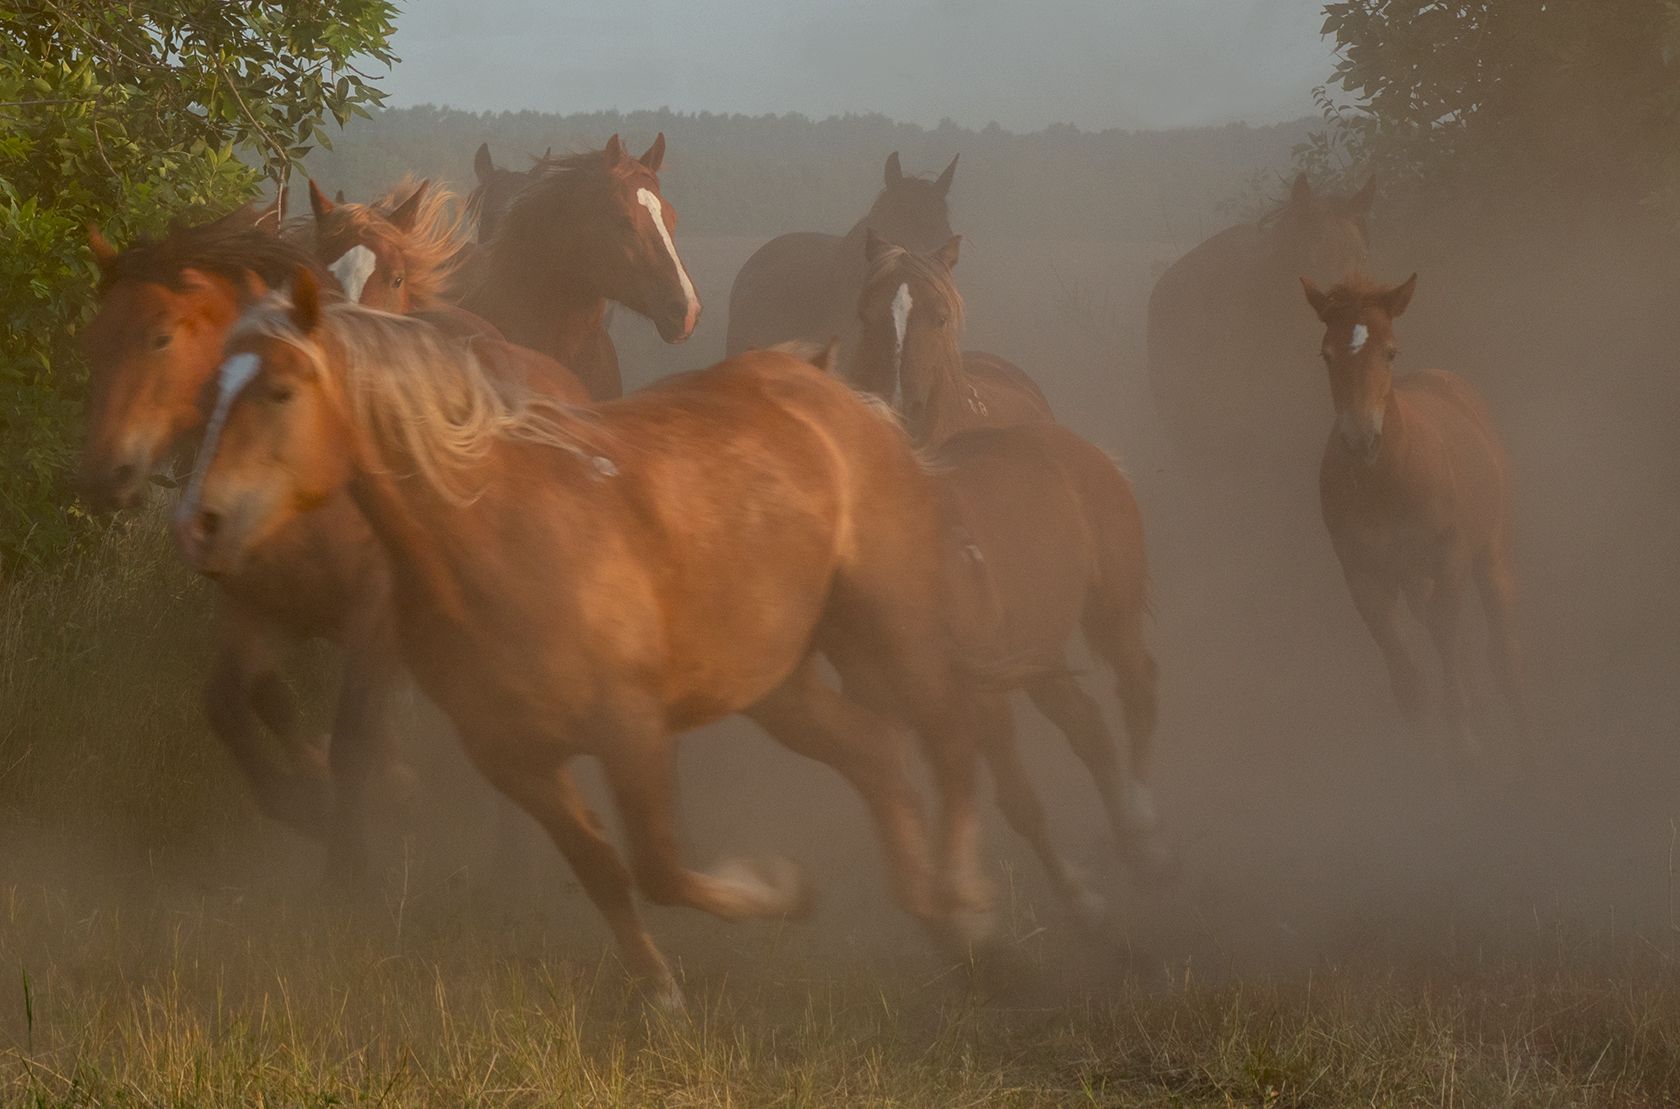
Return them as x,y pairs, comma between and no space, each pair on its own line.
1415,490
592,582
909,350
153,346
1223,347
496,189
587,229
1042,533
397,254
804,285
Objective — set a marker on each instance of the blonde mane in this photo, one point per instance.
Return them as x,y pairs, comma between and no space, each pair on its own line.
900,265
421,397
433,249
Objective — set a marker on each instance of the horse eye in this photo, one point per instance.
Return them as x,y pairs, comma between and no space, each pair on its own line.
281,393
397,281
1393,353
161,340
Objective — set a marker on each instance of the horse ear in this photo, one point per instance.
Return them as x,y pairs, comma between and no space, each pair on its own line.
943,185
874,247
318,202
338,196
403,218
894,172
104,254
1397,298
615,150
548,152
1359,204
306,300
1316,297
193,281
1301,192
947,254
828,359
655,156
483,167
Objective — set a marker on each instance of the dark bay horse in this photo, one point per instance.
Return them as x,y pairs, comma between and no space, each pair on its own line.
153,347
587,229
909,349
1224,342
593,582
497,186
1415,487
803,286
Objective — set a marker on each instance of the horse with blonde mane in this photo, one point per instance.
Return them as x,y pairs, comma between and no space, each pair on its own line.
1043,539
803,286
591,582
153,347
587,229
1415,488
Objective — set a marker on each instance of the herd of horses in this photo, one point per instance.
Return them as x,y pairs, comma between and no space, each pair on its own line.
406,435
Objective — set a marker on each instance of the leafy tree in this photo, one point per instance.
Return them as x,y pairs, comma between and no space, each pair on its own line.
132,114
1515,101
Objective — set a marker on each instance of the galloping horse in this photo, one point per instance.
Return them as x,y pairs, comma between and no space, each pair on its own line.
153,346
804,285
1223,344
1415,487
909,349
587,229
591,582
1043,538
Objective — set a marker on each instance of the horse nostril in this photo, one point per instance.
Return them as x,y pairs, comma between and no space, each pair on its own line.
206,523
122,475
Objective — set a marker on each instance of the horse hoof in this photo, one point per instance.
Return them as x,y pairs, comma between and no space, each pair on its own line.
665,997
770,887
1090,910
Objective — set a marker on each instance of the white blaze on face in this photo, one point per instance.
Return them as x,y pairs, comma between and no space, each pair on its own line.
352,270
1361,334
901,305
657,210
236,373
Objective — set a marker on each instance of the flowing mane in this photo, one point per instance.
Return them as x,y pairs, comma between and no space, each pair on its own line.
557,183
433,248
1351,294
228,247
416,392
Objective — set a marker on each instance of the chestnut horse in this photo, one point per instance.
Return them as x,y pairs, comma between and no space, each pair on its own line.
587,229
397,254
910,354
1042,530
1223,347
592,582
1415,487
804,285
153,346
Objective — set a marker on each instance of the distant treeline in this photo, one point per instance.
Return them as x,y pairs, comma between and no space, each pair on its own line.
761,175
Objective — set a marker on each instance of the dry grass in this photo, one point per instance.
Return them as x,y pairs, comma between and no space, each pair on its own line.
158,947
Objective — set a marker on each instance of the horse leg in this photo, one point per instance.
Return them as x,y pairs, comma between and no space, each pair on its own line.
641,773
809,718
1498,588
1377,597
1021,806
363,751
245,692
1129,803
552,797
1441,614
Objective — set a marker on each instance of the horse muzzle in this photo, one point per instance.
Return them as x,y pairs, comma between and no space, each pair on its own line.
1361,434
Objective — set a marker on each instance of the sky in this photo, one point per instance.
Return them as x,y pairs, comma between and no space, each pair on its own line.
1021,63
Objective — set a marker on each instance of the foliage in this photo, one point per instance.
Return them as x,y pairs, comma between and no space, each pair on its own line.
132,114
1516,101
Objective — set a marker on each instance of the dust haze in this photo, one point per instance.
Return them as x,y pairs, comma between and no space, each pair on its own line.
1314,828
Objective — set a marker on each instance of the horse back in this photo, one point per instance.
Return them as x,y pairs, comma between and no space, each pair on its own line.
786,290
1007,384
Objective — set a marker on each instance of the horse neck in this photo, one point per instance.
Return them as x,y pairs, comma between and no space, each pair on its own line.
946,410
545,304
